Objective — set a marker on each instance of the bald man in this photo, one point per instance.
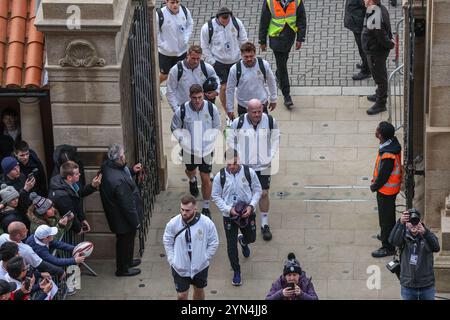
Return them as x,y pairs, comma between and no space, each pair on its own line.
256,137
17,231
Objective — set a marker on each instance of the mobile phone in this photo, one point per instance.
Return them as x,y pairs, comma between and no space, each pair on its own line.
291,286
84,228
68,214
33,173
27,283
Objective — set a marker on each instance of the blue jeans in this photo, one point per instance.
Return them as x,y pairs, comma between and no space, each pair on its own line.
426,293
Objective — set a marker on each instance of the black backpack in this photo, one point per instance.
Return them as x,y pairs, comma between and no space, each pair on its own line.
183,112
161,15
242,118
181,70
211,29
223,176
239,70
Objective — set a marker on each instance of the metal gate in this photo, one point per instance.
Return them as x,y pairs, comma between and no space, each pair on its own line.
143,119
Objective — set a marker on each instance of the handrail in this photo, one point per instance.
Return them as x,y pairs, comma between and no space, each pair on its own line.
395,97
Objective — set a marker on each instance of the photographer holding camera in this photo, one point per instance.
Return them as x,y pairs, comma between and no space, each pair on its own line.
417,244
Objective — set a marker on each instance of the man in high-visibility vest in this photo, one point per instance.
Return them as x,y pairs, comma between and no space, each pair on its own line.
387,180
285,23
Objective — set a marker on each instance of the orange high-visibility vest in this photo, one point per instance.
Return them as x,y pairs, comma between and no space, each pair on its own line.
281,17
392,186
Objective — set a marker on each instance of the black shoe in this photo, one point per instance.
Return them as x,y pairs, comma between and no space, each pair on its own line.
383,252
372,98
267,235
135,263
193,188
129,273
378,237
375,109
288,102
206,212
361,76
359,66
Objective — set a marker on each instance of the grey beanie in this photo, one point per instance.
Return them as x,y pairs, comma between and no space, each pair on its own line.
40,203
8,193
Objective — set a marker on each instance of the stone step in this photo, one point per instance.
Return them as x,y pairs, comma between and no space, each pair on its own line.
442,272
445,231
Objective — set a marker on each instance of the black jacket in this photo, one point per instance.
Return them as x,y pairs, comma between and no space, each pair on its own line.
355,11
65,198
41,180
8,215
284,41
420,275
377,41
386,165
19,184
120,198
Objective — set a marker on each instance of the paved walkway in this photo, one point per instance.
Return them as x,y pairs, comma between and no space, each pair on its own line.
329,55
327,143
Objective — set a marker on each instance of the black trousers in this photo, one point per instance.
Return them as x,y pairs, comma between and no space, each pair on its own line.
124,250
231,232
365,65
377,66
386,216
282,75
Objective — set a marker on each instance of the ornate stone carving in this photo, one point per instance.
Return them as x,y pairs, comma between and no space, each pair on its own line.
81,53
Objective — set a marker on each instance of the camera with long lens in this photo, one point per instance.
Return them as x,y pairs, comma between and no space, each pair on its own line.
414,217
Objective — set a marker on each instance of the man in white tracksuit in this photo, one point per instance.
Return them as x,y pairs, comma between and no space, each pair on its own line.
174,29
185,73
236,192
195,125
220,39
256,137
190,240
255,74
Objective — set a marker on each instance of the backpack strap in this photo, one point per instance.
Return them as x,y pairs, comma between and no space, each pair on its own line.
238,71
247,175
180,70
182,114
240,121
270,122
203,67
262,68
210,30
236,25
160,17
211,110
185,11
223,177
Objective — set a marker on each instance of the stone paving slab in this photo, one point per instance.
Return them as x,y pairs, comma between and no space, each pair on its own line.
321,209
326,59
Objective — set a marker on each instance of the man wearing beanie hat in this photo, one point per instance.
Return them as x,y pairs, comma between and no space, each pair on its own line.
13,177
293,284
11,210
42,211
220,39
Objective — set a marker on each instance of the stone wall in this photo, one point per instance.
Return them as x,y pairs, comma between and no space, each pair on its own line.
84,58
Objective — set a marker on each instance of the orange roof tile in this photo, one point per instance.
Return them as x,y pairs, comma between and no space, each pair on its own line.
21,45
